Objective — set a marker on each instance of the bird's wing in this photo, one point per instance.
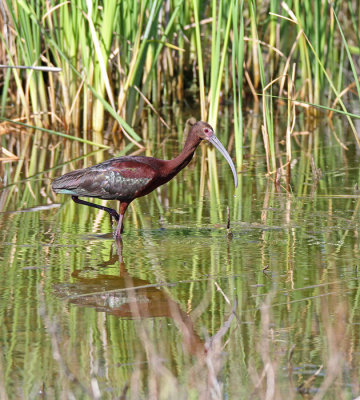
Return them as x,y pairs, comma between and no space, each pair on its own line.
113,179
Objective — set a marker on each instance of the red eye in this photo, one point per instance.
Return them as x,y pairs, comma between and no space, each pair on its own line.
206,130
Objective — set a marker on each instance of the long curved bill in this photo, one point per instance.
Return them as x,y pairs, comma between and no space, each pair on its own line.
216,142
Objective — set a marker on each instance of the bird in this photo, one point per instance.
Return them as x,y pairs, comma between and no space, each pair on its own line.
128,177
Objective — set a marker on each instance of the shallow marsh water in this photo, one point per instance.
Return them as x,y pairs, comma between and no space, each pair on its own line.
268,311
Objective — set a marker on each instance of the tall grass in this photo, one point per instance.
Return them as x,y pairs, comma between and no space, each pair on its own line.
116,58
237,66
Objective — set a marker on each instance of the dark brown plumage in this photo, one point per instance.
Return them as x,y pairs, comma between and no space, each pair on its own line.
127,178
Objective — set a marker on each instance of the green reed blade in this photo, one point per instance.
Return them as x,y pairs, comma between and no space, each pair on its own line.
335,91
350,58
199,60
102,51
269,136
64,135
237,78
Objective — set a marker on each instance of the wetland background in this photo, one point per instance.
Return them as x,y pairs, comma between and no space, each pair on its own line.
185,308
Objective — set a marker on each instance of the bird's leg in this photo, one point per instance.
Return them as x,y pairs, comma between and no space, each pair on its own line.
119,228
112,213
120,225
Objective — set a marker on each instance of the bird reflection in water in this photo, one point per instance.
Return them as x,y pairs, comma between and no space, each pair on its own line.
127,297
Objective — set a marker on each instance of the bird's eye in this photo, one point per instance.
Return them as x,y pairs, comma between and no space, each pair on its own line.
206,130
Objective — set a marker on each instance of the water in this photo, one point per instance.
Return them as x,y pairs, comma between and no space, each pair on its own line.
182,308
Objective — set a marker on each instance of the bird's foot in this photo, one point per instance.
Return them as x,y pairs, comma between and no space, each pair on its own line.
118,232
117,235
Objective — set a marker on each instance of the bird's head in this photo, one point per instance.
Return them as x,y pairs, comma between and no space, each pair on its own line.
205,132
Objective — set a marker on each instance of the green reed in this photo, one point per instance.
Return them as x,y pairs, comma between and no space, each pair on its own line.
238,55
119,58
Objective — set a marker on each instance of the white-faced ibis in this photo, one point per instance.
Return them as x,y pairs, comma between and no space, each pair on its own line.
127,178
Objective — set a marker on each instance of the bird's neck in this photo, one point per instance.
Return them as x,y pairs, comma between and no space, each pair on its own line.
182,160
